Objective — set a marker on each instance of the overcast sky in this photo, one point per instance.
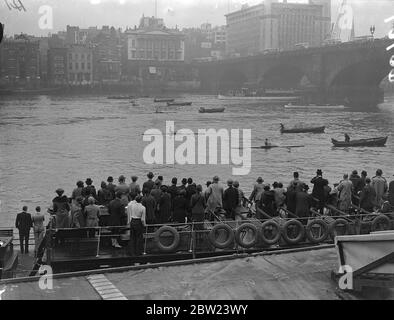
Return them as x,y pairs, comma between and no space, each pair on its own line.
184,13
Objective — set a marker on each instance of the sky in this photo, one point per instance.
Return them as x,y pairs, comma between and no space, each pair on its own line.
181,13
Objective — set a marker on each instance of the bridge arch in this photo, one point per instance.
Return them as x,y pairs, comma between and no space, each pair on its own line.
363,73
284,76
358,84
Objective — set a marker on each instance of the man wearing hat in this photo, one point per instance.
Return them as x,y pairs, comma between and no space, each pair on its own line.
77,192
319,190
148,185
89,190
124,189
111,187
230,200
357,185
61,209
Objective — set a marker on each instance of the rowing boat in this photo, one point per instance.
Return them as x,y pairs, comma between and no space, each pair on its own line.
180,104
213,110
303,129
312,106
120,97
164,100
373,142
284,99
275,146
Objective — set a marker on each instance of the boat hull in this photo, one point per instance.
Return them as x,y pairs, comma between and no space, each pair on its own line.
304,130
203,110
289,106
179,104
265,99
375,142
163,100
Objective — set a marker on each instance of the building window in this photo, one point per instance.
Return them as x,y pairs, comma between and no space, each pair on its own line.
76,65
88,65
82,65
70,66
82,56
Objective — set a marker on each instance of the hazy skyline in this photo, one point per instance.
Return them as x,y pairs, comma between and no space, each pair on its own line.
181,13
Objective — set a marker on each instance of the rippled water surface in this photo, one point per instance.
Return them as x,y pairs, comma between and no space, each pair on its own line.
50,142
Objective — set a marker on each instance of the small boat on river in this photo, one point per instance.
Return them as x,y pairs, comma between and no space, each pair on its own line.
275,146
302,129
164,100
313,106
179,104
212,110
372,142
121,97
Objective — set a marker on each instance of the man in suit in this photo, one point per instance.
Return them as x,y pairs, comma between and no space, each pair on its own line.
319,190
24,223
230,200
118,217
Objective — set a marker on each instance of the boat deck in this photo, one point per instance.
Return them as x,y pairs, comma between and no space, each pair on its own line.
293,274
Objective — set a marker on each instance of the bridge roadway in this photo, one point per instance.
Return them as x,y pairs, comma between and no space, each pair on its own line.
291,274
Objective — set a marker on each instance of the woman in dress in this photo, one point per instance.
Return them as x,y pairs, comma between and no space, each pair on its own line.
38,229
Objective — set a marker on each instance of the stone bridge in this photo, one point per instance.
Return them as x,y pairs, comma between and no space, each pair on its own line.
344,73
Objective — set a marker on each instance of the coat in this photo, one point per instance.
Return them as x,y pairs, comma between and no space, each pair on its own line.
380,185
303,204
150,205
116,210
215,197
61,208
23,222
180,209
319,191
345,197
230,199
368,198
164,208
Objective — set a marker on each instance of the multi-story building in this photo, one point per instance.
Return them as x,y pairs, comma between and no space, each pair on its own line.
205,43
153,50
20,64
57,66
244,28
80,65
277,25
107,55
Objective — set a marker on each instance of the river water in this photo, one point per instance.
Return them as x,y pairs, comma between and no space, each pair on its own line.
50,142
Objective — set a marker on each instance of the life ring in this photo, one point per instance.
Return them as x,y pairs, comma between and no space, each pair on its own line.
175,241
323,236
300,235
276,238
241,241
333,228
219,244
378,221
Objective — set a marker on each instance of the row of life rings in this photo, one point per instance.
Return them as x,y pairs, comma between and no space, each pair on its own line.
277,230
